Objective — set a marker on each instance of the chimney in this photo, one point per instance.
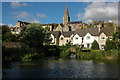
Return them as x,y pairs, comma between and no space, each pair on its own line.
99,27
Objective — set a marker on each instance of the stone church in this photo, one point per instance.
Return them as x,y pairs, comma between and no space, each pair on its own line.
69,26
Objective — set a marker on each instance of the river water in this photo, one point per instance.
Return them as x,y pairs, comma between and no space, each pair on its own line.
69,68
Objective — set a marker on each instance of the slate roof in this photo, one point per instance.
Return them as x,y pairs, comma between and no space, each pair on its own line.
56,33
107,30
24,22
83,32
67,33
75,22
98,22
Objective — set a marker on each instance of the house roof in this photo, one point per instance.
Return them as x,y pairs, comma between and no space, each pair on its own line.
67,33
107,30
83,32
97,22
94,31
24,22
75,22
56,33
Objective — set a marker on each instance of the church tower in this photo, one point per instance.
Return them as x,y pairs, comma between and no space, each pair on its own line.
66,17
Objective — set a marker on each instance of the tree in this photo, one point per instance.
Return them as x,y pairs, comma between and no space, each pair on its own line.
116,34
108,45
109,24
90,26
6,33
95,45
34,35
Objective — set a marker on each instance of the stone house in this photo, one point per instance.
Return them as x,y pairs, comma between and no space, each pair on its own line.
59,28
104,33
65,37
48,26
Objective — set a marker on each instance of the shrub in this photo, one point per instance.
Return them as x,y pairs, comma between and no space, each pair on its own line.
95,45
65,53
108,45
28,57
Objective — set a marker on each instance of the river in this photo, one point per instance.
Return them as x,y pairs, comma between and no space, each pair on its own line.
69,68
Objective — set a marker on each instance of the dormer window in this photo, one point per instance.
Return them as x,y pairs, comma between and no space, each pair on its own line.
88,37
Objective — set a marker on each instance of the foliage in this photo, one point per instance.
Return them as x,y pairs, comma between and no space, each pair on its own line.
98,55
95,45
23,30
65,53
51,51
90,26
69,44
35,35
28,57
116,35
108,45
6,33
7,36
109,24
15,38
112,44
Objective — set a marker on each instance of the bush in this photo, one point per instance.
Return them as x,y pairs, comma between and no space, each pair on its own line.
65,52
28,57
95,45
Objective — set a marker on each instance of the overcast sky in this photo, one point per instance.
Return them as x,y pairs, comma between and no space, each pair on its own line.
52,12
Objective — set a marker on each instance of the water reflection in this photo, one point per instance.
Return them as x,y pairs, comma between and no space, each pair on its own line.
61,69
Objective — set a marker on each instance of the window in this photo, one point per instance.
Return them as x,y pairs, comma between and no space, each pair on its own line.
88,37
102,47
61,38
103,38
67,41
70,28
82,46
88,45
76,37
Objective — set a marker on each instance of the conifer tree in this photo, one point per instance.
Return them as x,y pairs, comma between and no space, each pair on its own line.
95,45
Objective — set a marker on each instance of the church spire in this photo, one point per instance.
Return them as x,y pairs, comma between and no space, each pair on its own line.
66,17
66,11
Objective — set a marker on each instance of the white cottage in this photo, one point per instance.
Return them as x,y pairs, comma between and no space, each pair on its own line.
85,37
55,37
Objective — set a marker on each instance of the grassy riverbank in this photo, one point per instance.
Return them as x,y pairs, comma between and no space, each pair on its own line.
29,54
99,55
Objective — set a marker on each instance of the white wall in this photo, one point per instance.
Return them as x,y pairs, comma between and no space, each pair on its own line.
77,41
90,40
53,39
